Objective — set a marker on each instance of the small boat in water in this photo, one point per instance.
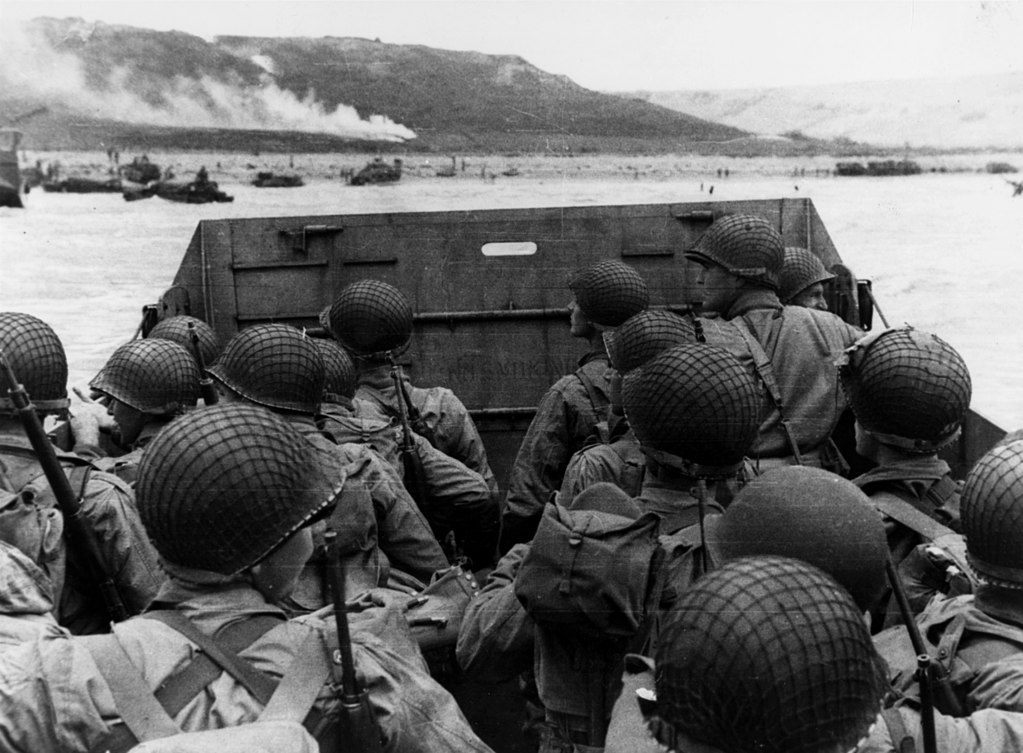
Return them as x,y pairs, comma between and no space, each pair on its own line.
75,184
141,170
377,171
268,179
195,192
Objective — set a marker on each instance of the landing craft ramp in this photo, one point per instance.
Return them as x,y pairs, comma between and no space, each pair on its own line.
488,287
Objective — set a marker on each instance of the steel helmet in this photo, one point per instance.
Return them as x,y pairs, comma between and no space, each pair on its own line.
175,328
37,359
745,245
151,376
991,510
766,654
371,317
221,488
645,335
695,407
609,292
802,269
340,373
908,388
274,365
812,515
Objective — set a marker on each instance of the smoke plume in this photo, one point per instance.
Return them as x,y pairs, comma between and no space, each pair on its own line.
31,68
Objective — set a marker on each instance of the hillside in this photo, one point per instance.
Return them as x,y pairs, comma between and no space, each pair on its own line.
975,112
107,84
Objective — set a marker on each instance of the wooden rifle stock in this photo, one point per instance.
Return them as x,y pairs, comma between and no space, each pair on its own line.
207,389
80,535
359,731
414,475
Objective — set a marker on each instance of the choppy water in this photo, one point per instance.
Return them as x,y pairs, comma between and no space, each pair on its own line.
944,250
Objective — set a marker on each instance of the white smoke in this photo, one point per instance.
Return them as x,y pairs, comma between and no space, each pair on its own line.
30,68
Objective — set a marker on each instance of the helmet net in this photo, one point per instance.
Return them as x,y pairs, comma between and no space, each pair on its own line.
745,245
767,654
802,269
371,317
339,370
220,488
610,292
37,359
645,335
152,376
175,328
274,365
991,509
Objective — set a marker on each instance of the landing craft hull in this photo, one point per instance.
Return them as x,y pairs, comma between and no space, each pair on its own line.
488,288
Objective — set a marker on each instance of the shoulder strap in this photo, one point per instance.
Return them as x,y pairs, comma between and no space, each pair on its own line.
902,741
78,477
178,690
302,682
135,702
943,490
591,392
260,685
905,513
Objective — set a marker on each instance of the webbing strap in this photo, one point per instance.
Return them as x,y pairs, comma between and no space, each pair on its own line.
302,682
591,392
905,513
902,741
135,702
178,690
261,686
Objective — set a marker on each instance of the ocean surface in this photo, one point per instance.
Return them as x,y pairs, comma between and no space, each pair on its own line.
944,250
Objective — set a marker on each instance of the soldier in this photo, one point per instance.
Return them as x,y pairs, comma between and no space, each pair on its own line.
228,494
977,639
146,383
770,654
279,367
176,329
605,295
454,499
802,279
37,359
792,348
910,392
614,454
373,321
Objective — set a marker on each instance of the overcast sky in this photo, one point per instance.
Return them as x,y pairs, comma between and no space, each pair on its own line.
616,46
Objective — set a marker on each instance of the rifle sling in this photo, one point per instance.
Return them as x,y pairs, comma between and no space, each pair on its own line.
905,513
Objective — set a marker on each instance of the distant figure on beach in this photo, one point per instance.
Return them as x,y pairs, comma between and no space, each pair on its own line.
1017,187
711,189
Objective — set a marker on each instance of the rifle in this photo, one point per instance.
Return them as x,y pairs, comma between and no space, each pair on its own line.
935,689
414,475
80,535
209,393
359,731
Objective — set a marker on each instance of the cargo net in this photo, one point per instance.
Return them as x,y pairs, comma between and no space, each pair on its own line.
37,358
646,335
909,384
992,517
175,329
610,292
696,402
275,365
218,489
371,317
767,654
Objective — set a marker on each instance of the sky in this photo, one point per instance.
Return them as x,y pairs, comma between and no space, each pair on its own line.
624,46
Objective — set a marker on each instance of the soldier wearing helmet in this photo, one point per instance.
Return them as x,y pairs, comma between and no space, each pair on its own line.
179,329
770,654
228,495
978,638
458,499
791,348
36,356
604,296
145,383
373,321
613,454
280,368
802,279
910,392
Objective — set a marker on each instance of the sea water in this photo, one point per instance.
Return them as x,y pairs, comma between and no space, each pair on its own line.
943,250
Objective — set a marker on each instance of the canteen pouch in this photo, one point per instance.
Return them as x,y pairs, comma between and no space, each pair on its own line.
593,570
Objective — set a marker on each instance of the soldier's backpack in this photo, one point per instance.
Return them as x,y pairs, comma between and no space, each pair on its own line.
596,571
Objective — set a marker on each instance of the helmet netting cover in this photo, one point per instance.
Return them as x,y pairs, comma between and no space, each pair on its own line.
610,292
370,317
152,376
36,356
